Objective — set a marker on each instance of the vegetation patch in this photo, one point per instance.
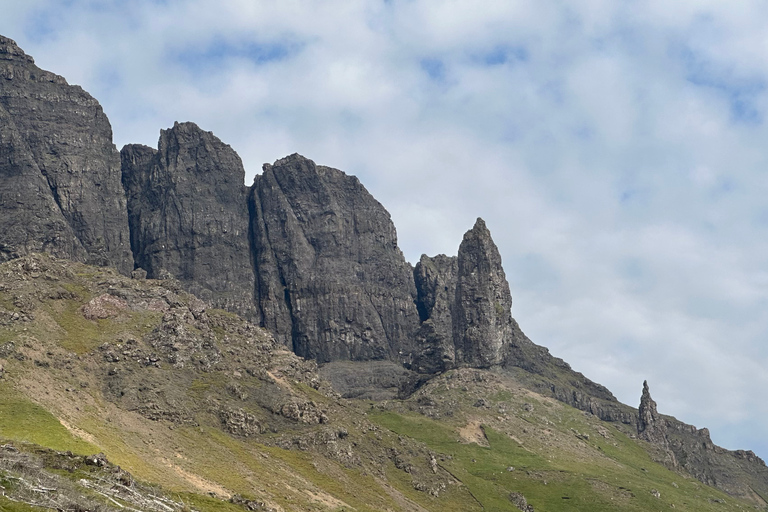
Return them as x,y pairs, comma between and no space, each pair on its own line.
23,420
624,477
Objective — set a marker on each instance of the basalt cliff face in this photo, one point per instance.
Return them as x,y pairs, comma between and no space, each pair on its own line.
305,252
188,215
331,281
59,170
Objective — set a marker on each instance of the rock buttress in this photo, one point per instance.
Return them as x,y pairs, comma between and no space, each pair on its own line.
31,221
435,279
331,281
686,448
464,305
63,132
188,212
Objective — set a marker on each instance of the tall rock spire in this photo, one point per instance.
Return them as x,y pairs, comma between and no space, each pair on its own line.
482,321
465,306
652,427
649,425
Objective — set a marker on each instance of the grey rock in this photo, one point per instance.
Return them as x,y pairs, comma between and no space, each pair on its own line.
331,282
368,380
188,214
59,164
251,505
520,502
464,305
482,319
303,412
650,425
435,280
240,423
31,220
139,274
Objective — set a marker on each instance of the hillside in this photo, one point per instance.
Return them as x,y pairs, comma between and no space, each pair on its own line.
208,412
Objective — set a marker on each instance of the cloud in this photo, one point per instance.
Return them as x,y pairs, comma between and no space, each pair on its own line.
615,149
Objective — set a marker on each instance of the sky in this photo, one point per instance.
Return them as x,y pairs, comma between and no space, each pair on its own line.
617,150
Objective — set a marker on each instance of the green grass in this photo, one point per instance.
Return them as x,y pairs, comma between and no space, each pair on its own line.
622,479
276,466
7,505
8,334
23,420
6,303
456,498
205,503
479,468
82,335
359,491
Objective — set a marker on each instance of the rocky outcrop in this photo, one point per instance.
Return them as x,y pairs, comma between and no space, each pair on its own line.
331,281
435,280
307,251
684,447
188,213
482,314
59,164
650,425
464,306
31,221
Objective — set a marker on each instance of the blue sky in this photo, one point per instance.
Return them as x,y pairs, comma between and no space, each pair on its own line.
617,151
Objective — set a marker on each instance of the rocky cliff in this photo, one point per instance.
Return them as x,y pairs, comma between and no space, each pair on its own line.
435,280
684,447
188,212
331,281
58,137
307,251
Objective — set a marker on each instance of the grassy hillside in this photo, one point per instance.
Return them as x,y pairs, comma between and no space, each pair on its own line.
193,409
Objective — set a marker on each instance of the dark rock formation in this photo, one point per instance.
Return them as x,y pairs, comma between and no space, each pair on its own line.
684,447
188,213
59,164
650,425
331,282
435,280
520,502
464,306
31,221
482,314
368,380
307,251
